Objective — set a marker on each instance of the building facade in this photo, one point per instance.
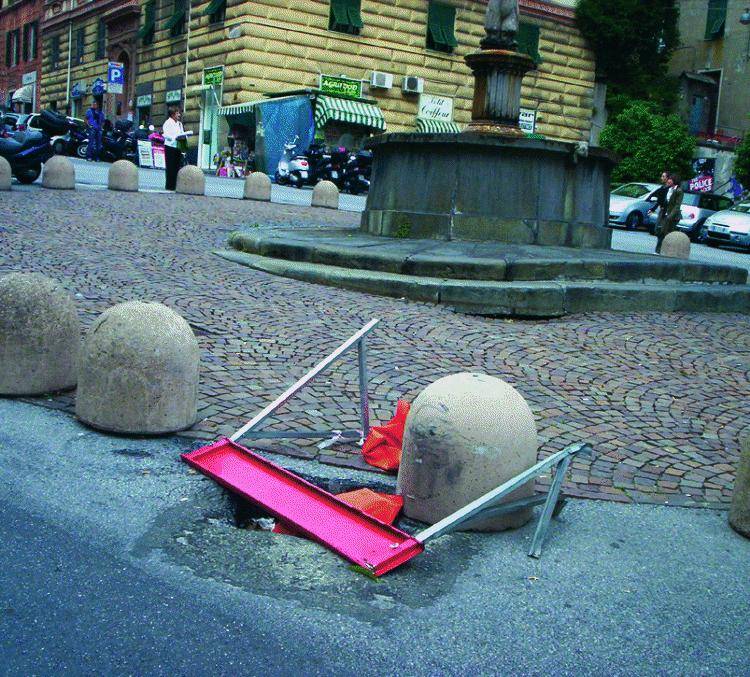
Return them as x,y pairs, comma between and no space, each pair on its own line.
20,72
713,67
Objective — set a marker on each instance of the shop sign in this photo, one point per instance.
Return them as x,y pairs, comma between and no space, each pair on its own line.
432,107
343,87
527,120
144,100
213,76
174,96
77,91
115,77
28,78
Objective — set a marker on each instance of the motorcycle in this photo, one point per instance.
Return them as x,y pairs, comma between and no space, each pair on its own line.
293,169
357,172
26,151
319,160
339,159
118,143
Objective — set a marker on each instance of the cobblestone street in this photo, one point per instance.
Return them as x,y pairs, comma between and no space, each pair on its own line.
663,398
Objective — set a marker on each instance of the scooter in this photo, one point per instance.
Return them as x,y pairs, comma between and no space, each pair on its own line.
357,172
320,163
339,159
26,152
293,168
118,143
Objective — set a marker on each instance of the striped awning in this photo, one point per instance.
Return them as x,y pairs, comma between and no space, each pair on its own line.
345,110
427,126
238,108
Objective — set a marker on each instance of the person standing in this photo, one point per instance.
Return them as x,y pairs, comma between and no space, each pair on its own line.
660,195
671,214
174,136
95,120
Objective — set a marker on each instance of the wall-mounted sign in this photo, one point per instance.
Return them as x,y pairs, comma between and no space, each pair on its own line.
432,107
115,77
343,87
28,78
144,100
213,76
98,87
527,120
174,96
77,91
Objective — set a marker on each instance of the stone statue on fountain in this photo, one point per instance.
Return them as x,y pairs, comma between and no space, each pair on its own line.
501,25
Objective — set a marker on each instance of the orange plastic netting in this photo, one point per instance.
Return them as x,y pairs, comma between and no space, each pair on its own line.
382,447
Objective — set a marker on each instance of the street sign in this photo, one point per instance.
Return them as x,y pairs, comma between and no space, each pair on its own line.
115,77
213,76
343,87
527,120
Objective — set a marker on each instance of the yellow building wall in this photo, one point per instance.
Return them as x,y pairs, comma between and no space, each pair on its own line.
285,44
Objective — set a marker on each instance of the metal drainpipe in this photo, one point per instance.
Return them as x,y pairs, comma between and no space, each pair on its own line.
70,57
187,59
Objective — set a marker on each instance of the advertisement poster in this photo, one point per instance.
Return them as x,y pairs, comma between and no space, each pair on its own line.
703,181
145,158
159,162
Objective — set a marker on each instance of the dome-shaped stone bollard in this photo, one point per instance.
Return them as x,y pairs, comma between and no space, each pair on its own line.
5,174
59,173
739,513
258,187
123,175
676,245
465,435
40,335
325,194
191,181
138,371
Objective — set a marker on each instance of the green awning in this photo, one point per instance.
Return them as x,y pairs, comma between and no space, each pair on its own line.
213,7
238,108
437,126
345,110
178,16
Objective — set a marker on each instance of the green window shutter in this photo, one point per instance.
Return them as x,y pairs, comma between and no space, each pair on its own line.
146,32
441,20
176,23
101,39
528,41
345,16
354,14
7,49
716,19
213,7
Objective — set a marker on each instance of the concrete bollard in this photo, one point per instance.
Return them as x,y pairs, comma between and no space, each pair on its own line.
59,173
191,181
465,435
123,175
257,187
739,513
40,335
325,194
5,174
138,371
676,245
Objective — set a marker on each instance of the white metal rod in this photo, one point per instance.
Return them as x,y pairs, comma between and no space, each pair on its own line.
309,376
460,516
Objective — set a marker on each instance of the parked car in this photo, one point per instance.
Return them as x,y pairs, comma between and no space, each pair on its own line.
15,121
729,226
696,208
629,204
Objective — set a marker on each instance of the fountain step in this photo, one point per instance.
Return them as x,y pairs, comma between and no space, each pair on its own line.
484,261
513,298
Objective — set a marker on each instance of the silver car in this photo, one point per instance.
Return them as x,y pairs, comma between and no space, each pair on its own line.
629,205
697,208
730,227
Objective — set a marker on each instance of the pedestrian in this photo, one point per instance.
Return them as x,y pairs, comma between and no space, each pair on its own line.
95,120
174,137
660,195
671,215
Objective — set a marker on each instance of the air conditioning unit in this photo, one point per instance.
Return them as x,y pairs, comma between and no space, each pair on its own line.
381,80
413,85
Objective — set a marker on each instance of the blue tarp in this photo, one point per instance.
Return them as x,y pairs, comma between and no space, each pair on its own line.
279,121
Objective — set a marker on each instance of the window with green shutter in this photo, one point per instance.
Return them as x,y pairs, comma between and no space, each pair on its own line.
715,19
345,16
176,23
54,52
528,41
146,32
441,21
78,47
216,11
101,39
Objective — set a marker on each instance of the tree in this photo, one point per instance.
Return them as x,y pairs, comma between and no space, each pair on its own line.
648,143
742,162
633,41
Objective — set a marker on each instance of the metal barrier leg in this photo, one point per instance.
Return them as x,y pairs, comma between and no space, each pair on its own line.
549,506
364,401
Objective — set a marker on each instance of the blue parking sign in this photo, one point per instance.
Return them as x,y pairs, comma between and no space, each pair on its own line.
115,77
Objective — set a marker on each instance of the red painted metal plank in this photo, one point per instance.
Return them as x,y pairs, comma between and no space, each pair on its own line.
351,533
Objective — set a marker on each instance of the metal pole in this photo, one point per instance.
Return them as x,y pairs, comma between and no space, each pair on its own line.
463,514
309,376
364,402
549,506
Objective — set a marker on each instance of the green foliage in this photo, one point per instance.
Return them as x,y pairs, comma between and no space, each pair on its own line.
742,162
648,143
633,41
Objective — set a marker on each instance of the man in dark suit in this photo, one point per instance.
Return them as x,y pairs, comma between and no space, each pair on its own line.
671,214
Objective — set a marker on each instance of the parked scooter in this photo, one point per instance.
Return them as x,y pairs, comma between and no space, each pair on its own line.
26,151
293,168
319,160
118,143
357,172
339,159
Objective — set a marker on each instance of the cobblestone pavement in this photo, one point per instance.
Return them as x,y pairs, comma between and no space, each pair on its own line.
663,398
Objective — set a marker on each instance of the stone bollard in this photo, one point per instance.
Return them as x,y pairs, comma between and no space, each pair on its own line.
465,435
191,181
40,335
123,175
258,187
5,174
138,371
325,194
676,245
739,513
59,173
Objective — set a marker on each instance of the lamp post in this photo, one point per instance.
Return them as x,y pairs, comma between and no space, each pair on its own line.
745,21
